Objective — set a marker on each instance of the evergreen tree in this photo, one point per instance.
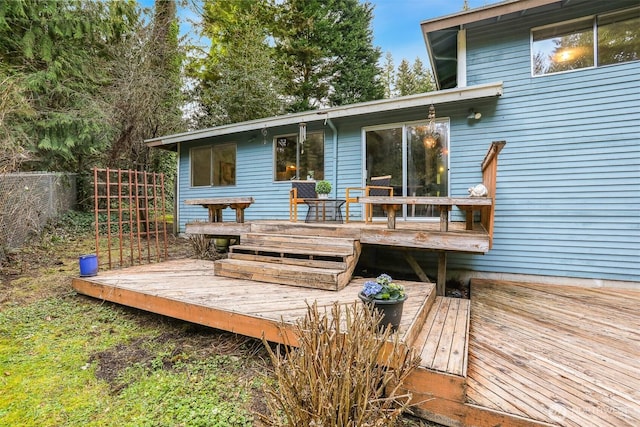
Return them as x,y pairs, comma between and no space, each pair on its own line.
59,50
388,76
248,86
405,80
356,75
303,35
327,53
237,80
422,78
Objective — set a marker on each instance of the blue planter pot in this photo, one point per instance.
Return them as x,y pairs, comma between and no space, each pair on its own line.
391,310
88,265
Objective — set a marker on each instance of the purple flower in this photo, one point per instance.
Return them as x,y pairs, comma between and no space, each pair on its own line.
371,288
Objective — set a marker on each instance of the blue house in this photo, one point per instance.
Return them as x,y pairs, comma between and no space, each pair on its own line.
559,81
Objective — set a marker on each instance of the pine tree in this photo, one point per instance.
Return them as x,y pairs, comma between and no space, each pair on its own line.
327,53
405,80
388,76
355,70
422,78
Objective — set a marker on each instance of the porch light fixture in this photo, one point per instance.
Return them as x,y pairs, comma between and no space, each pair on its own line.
264,135
474,115
431,138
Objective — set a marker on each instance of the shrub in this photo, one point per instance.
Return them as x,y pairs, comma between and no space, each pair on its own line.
342,373
323,187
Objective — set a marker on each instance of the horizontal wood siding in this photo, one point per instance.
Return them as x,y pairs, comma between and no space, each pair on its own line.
568,199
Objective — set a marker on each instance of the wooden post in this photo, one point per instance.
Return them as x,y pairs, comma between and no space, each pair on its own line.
441,283
444,218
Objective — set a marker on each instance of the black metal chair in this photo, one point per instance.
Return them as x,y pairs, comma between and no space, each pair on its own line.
300,190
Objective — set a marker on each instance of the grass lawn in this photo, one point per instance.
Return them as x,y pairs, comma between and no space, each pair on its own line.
69,360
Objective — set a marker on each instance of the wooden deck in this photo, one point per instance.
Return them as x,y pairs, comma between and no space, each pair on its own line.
558,354
514,355
187,289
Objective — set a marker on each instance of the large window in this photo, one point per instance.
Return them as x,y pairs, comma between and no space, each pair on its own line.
295,160
214,165
416,159
607,39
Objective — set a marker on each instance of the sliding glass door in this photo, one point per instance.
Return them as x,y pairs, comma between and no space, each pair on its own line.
416,159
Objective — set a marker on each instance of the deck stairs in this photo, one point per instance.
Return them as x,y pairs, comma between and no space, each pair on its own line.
298,260
442,341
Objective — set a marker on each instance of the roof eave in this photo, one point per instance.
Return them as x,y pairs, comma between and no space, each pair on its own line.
495,10
437,97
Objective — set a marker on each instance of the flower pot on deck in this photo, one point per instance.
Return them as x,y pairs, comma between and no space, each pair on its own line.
391,310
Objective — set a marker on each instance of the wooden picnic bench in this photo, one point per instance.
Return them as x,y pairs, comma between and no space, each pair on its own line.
216,205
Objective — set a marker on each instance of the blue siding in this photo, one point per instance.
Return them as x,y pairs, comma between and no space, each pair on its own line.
569,177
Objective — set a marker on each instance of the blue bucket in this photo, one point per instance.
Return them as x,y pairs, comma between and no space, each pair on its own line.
88,265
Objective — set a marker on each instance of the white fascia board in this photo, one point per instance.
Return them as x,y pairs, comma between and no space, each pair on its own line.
437,97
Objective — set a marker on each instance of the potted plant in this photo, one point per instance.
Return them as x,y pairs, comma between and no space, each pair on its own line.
385,296
323,188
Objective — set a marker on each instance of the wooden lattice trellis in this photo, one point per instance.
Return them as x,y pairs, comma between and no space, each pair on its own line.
130,217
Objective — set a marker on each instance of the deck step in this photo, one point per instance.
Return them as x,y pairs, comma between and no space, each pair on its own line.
307,261
291,256
442,344
444,338
295,275
295,241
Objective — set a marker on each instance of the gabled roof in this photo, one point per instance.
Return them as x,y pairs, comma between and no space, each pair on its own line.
440,34
371,107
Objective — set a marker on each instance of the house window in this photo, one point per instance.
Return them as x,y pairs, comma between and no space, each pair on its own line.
416,159
214,165
295,160
607,39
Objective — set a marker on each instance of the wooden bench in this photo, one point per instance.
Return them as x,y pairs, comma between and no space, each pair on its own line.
216,205
390,204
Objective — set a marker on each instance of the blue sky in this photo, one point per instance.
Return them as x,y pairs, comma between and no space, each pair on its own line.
396,23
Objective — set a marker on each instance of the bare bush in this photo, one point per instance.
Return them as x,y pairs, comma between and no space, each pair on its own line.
202,246
342,374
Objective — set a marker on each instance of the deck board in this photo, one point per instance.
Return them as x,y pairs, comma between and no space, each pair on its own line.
557,354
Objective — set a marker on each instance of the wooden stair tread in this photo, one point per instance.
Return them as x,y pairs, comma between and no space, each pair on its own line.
337,264
293,240
286,274
333,252
273,266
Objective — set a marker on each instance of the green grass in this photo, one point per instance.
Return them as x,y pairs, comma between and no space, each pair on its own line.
48,370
